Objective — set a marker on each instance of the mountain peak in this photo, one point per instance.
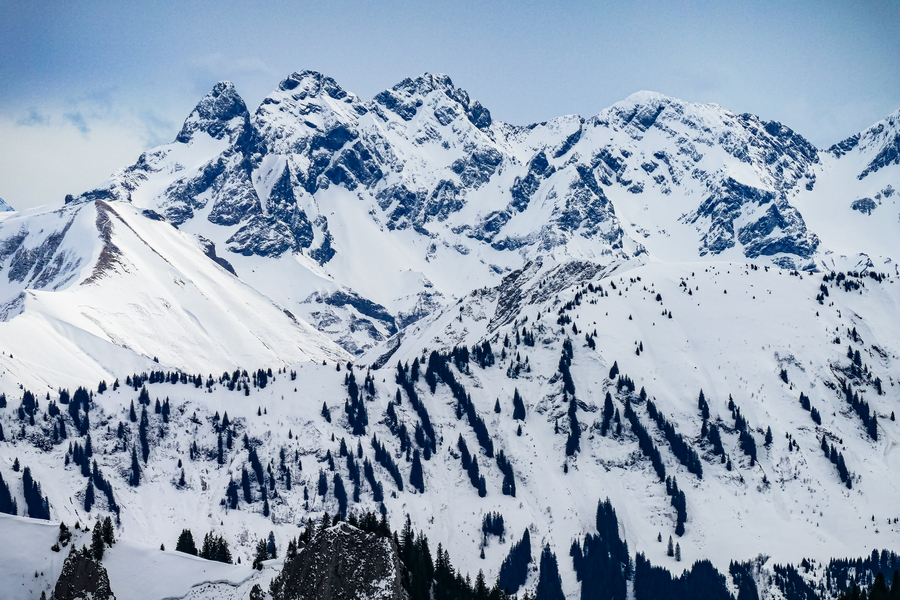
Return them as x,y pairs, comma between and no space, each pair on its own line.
214,112
312,83
648,97
4,207
407,96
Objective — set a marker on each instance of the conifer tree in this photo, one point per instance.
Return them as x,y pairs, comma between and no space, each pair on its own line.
549,585
89,495
340,494
7,502
135,469
97,542
416,476
37,505
518,406
245,486
108,532
186,543
142,435
514,569
323,483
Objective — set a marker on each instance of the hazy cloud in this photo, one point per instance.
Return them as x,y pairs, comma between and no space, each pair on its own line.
32,119
77,119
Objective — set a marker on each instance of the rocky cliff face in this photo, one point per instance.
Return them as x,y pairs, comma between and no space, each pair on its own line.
342,563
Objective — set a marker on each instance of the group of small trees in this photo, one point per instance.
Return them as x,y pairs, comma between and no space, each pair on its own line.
602,562
215,547
837,459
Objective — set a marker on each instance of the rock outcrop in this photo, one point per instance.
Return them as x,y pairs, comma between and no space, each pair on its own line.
82,577
342,563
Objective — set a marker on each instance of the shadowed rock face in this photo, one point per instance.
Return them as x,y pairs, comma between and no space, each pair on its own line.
342,563
82,577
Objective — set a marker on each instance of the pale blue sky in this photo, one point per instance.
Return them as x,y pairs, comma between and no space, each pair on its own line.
88,85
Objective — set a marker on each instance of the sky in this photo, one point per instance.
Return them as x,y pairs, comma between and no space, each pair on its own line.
87,86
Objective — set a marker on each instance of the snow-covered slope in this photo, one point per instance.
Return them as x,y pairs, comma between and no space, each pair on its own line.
90,289
680,245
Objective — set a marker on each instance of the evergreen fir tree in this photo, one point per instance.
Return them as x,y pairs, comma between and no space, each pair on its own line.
518,406
245,486
37,505
323,483
97,542
514,569
270,546
135,479
108,532
7,502
186,543
549,585
416,476
340,494
142,435
262,554
89,495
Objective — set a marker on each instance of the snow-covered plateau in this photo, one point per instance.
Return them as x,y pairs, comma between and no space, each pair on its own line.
408,308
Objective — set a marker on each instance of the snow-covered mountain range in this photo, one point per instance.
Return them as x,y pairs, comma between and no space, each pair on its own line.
605,270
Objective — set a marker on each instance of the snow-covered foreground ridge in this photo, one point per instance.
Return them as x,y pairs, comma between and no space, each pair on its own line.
556,296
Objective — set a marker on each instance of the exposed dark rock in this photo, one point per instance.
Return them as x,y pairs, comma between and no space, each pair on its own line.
34,260
325,252
524,188
209,249
570,141
82,577
282,205
444,199
476,169
342,563
362,305
842,148
261,236
214,113
182,195
889,155
236,200
722,207
792,236
864,205
353,166
405,203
